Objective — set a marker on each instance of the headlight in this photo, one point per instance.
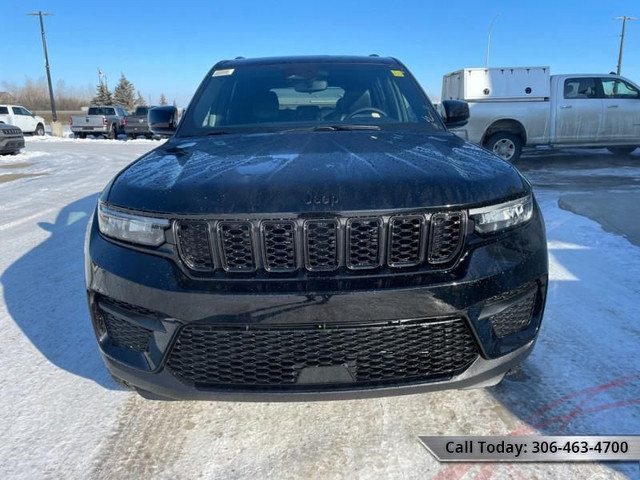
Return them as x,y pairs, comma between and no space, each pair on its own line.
502,216
131,228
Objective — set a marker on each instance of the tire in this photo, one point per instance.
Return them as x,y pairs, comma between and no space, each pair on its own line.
113,134
505,145
621,150
80,135
149,136
39,130
131,137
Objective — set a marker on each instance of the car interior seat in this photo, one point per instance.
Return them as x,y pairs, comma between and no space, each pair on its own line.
265,107
570,90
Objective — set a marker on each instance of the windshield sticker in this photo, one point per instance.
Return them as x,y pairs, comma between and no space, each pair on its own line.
221,73
397,73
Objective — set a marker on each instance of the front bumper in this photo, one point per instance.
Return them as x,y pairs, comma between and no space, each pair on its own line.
147,291
11,144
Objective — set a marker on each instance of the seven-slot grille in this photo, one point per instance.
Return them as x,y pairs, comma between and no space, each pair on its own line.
321,245
11,131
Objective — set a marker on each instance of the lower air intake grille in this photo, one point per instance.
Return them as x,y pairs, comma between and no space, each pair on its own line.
124,334
209,355
516,317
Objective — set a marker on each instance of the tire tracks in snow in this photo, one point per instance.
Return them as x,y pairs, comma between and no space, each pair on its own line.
147,441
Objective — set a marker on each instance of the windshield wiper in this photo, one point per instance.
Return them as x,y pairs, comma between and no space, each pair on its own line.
217,132
331,128
337,127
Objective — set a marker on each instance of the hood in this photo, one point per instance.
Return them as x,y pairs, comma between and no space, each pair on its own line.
298,172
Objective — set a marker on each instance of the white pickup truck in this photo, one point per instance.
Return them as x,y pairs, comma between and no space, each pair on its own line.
526,106
22,118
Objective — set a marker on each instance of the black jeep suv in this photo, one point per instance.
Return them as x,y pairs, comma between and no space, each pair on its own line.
312,230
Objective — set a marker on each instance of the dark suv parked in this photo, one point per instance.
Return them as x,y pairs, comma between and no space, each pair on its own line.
312,230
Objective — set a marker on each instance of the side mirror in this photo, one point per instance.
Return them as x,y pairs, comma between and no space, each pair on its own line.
456,113
163,120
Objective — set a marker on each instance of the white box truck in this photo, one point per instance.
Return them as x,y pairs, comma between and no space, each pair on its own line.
526,106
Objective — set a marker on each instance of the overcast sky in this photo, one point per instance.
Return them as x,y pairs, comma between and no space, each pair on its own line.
164,46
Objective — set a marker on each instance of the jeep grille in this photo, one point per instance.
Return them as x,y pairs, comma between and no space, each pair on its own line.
321,245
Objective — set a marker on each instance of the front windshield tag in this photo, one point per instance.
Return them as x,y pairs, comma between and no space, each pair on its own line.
397,73
222,73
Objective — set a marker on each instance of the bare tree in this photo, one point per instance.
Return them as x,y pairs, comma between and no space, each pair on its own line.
35,95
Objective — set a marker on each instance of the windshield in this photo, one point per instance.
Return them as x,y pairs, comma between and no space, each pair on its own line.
309,95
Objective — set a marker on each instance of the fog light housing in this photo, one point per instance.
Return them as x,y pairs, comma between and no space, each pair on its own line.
515,317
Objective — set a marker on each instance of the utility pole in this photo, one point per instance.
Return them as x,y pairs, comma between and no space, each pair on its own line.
624,24
486,65
54,115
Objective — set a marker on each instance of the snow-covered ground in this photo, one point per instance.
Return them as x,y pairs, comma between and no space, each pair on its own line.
63,417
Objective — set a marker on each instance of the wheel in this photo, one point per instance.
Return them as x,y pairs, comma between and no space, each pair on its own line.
361,111
39,130
80,135
621,150
506,145
149,136
113,134
131,136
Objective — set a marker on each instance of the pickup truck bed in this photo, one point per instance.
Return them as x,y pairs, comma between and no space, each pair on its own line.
99,120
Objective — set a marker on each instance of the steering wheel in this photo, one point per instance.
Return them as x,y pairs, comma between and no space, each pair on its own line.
365,110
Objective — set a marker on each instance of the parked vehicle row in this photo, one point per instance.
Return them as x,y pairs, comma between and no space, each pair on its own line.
111,121
516,107
22,118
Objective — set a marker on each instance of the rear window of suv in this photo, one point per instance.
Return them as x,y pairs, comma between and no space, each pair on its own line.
284,96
